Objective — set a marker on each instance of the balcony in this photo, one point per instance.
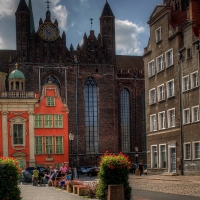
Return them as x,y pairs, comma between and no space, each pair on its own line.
21,94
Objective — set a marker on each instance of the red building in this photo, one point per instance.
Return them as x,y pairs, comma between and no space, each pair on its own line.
34,126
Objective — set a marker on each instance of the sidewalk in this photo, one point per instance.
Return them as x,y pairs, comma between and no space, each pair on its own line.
167,177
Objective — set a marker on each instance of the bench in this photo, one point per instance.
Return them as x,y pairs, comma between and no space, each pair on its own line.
79,190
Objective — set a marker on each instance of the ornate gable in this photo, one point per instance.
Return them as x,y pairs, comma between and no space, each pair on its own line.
18,119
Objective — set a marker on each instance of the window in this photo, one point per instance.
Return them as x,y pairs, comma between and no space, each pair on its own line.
18,134
154,156
161,120
151,68
171,118
194,80
169,58
48,121
196,150
91,115
187,151
162,163
158,34
153,123
152,96
38,121
170,88
185,83
195,114
159,63
38,145
161,92
58,121
50,101
189,53
125,119
59,145
49,145
186,116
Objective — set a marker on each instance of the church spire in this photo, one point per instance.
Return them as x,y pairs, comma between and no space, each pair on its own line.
107,12
22,6
32,25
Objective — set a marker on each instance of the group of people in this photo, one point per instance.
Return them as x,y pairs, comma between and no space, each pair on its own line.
56,176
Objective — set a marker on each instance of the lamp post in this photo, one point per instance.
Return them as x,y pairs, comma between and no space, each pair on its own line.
136,154
77,71
136,147
71,138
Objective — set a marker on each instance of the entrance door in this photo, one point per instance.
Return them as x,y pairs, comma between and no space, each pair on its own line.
173,159
22,163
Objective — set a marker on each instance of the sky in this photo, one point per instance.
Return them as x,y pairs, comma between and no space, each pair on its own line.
131,17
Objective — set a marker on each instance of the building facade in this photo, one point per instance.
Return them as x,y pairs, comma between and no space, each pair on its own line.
171,62
103,91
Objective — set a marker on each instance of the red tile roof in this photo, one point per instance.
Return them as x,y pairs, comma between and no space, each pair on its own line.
178,17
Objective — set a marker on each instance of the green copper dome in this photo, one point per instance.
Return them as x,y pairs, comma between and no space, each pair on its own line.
16,74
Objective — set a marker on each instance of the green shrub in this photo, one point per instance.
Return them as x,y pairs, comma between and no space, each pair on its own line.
114,169
9,173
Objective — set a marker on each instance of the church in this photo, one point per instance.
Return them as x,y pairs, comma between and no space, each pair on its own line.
48,91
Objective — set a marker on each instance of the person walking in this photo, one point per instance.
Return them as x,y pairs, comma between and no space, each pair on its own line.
140,167
35,176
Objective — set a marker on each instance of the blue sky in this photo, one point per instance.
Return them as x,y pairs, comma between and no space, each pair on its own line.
131,16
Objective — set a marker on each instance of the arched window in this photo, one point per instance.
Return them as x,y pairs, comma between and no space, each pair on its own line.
125,120
54,80
91,116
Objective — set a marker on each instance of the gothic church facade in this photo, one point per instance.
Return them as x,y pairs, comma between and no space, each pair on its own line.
103,91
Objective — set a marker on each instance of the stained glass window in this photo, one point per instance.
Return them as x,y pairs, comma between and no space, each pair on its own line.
91,115
125,119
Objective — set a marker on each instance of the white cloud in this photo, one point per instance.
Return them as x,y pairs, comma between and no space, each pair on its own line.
7,8
127,38
60,12
1,43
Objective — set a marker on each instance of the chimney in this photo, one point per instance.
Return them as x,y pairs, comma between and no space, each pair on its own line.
194,11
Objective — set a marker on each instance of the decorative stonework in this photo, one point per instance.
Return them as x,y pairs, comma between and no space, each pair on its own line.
17,113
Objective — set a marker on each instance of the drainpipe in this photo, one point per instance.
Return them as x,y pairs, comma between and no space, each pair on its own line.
181,110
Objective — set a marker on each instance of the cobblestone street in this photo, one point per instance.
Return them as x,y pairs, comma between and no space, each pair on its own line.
170,185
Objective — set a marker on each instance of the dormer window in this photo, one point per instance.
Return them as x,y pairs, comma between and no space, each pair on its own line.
158,34
50,101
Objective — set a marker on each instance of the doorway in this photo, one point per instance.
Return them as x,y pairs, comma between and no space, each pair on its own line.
172,159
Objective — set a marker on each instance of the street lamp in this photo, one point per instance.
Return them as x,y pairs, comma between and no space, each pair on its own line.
136,154
71,138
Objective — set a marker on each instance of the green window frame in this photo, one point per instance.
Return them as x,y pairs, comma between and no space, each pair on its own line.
59,145
48,121
58,121
50,101
49,145
38,121
38,145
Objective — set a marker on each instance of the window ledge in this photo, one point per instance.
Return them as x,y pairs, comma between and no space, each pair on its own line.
172,97
152,104
161,100
152,76
170,66
187,124
195,88
187,159
158,42
158,72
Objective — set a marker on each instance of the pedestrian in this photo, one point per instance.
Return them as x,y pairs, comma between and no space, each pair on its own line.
35,176
63,169
140,167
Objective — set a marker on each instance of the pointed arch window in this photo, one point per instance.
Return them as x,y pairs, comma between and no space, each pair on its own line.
54,80
125,119
91,115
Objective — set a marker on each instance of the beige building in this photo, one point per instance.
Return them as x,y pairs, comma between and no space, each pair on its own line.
171,61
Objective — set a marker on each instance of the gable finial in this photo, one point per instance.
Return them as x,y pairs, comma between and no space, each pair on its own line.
91,22
16,65
47,2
